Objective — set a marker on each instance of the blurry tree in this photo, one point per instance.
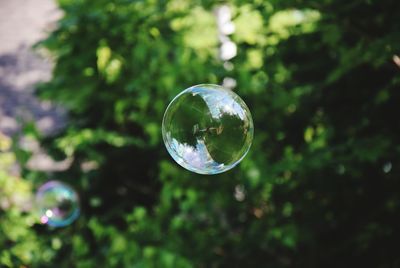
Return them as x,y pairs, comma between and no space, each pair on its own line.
320,187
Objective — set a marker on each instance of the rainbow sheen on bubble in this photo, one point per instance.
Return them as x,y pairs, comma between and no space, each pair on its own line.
57,204
207,129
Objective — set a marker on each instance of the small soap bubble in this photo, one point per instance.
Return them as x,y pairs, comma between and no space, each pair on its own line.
57,204
207,129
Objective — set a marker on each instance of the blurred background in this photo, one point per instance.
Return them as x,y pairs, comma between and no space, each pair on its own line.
83,88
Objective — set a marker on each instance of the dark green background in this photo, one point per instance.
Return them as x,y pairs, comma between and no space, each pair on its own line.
319,188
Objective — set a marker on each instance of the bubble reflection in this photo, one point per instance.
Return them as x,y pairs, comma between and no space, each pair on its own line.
57,204
207,129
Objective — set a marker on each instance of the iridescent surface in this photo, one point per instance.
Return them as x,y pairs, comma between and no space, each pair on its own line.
207,129
57,203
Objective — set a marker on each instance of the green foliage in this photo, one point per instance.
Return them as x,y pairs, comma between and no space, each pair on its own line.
19,242
319,187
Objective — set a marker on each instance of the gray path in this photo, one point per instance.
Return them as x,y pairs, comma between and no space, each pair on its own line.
22,24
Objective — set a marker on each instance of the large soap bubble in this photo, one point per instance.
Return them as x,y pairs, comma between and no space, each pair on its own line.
57,204
207,129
